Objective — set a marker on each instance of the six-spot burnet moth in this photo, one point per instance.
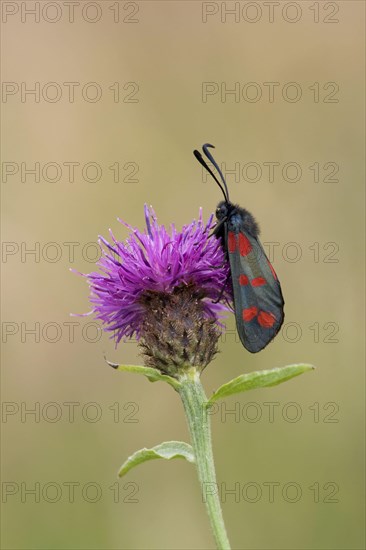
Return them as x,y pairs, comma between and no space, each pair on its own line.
258,300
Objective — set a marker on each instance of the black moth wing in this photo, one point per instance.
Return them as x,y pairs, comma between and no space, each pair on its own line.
258,299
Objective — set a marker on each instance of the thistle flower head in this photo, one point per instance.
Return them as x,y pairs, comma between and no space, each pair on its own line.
162,287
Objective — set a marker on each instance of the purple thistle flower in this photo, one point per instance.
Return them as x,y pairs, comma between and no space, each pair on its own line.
163,287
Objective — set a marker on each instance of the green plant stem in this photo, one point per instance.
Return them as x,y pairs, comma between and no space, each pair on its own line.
194,402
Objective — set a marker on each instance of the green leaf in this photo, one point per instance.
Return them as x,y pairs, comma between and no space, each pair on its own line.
259,379
152,374
167,450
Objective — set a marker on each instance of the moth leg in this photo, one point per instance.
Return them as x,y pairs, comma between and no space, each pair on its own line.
217,227
222,290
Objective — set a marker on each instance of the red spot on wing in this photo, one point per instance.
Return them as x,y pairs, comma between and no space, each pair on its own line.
258,281
266,319
243,280
249,313
231,241
273,271
244,245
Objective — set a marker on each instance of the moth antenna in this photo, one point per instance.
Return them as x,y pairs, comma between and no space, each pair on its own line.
201,160
211,159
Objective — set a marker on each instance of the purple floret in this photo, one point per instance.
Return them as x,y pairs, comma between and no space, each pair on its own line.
157,261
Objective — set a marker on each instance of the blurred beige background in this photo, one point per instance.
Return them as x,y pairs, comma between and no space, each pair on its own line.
293,454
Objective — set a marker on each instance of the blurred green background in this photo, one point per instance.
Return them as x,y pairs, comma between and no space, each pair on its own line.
297,473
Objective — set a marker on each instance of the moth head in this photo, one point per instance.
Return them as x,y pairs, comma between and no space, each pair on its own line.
222,210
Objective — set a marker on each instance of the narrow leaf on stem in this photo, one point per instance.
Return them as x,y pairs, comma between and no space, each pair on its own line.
151,374
167,450
259,379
